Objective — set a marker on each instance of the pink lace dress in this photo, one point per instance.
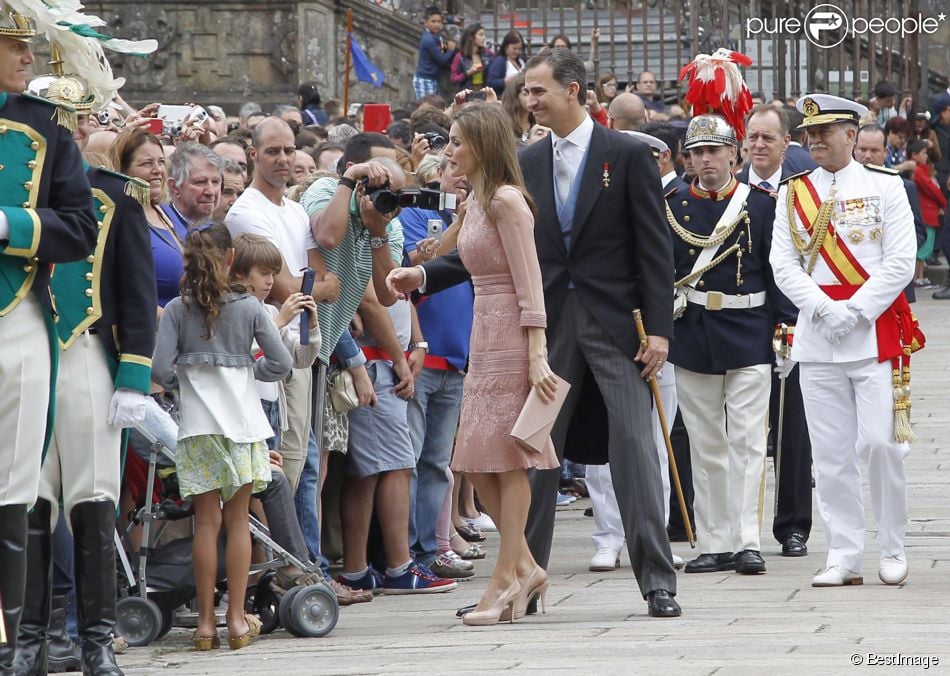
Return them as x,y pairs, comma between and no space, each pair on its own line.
503,262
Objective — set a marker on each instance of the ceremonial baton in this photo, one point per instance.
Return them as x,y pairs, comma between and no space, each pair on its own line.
780,344
655,388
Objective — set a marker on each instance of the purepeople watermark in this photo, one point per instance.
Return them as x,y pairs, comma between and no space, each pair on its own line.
827,25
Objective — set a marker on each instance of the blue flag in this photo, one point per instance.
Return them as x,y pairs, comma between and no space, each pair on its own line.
365,70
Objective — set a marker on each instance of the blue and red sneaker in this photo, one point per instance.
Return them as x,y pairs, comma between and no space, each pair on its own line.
371,581
417,580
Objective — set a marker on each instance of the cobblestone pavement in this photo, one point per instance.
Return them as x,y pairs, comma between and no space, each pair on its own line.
597,624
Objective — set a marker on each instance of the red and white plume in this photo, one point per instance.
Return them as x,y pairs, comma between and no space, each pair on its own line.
716,86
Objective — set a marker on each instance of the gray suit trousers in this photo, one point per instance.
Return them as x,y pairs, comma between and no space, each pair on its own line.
577,342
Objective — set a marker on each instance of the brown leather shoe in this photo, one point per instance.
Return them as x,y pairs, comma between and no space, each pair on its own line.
347,597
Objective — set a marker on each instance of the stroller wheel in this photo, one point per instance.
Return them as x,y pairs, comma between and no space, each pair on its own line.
284,610
266,604
138,620
314,611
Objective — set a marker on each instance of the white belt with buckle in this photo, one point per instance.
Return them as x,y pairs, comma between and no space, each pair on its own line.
716,300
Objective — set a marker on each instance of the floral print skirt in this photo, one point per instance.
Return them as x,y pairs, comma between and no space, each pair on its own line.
212,462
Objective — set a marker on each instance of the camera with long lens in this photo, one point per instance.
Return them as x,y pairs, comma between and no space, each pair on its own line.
386,201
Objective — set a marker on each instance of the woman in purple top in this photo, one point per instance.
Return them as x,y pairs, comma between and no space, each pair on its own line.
139,154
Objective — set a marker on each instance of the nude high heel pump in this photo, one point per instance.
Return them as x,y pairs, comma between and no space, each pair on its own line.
535,584
490,616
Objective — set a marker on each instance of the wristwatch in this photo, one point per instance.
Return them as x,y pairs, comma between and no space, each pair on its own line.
378,242
421,345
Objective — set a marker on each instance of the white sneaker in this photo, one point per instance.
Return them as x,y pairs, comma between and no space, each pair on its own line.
893,569
605,559
482,522
678,561
837,576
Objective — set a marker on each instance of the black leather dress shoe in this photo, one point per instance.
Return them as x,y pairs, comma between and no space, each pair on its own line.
711,563
794,545
749,562
662,604
943,294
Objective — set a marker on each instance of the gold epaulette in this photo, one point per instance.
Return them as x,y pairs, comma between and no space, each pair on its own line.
883,170
786,179
66,116
136,188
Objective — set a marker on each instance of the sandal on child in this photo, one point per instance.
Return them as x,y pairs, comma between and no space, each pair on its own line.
203,643
244,640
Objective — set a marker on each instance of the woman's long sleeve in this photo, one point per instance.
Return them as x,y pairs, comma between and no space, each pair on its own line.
515,225
276,362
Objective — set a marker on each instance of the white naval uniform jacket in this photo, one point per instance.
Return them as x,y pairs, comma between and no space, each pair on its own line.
873,217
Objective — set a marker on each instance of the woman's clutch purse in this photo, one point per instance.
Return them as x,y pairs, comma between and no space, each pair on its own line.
342,391
536,420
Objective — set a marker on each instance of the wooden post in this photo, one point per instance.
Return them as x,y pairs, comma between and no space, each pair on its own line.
346,76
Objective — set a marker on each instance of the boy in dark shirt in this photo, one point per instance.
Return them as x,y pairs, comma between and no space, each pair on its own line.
433,55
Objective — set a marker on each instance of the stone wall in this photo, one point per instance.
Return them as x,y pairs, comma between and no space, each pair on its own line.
232,51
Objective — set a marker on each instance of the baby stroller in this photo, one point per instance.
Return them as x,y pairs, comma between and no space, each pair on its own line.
159,580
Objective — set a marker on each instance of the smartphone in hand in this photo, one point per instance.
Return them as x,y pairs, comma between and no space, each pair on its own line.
306,288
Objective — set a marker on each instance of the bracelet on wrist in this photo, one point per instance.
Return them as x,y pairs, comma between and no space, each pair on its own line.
347,182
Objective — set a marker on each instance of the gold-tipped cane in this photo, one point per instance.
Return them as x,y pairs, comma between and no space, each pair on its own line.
655,388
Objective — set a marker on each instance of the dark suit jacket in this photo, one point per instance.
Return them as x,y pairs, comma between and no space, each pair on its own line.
797,159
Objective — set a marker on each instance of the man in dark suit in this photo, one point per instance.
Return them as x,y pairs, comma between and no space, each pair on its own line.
769,140
604,250
797,158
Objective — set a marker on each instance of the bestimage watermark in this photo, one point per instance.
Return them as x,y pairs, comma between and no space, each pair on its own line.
827,25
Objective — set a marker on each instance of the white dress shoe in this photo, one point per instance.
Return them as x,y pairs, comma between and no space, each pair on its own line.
837,576
678,561
605,559
893,569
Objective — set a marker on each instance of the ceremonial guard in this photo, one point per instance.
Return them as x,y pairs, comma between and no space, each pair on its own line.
727,307
843,251
46,217
106,331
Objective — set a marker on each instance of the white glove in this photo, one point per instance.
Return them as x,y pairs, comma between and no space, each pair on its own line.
784,366
127,408
4,226
838,318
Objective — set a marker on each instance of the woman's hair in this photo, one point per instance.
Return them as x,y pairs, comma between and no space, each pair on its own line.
560,36
511,38
599,87
486,128
428,170
467,46
206,279
511,102
126,143
252,251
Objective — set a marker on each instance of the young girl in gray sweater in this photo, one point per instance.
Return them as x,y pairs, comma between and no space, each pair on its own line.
204,350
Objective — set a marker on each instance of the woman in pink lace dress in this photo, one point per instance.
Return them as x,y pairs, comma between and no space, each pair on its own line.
508,350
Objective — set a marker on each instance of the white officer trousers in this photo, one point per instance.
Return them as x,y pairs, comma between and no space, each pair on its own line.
603,501
725,416
24,400
83,463
849,408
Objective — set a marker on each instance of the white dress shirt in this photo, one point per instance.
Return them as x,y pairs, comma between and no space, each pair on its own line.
576,146
774,179
666,178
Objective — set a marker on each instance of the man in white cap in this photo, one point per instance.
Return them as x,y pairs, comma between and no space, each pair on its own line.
722,344
843,251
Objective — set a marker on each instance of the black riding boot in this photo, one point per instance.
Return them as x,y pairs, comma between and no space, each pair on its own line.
93,528
12,578
31,639
63,651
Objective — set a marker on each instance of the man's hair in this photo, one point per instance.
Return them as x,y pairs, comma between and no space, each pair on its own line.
873,129
305,139
282,108
428,115
228,140
333,107
325,147
401,114
795,118
433,100
642,72
265,124
401,131
766,109
242,136
665,132
186,156
566,67
252,251
359,148
249,109
231,167
339,133
915,146
431,10
628,112
884,89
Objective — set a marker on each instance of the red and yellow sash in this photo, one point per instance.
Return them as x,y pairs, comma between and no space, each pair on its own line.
897,329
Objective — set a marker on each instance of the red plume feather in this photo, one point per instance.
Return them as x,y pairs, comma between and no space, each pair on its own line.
716,86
